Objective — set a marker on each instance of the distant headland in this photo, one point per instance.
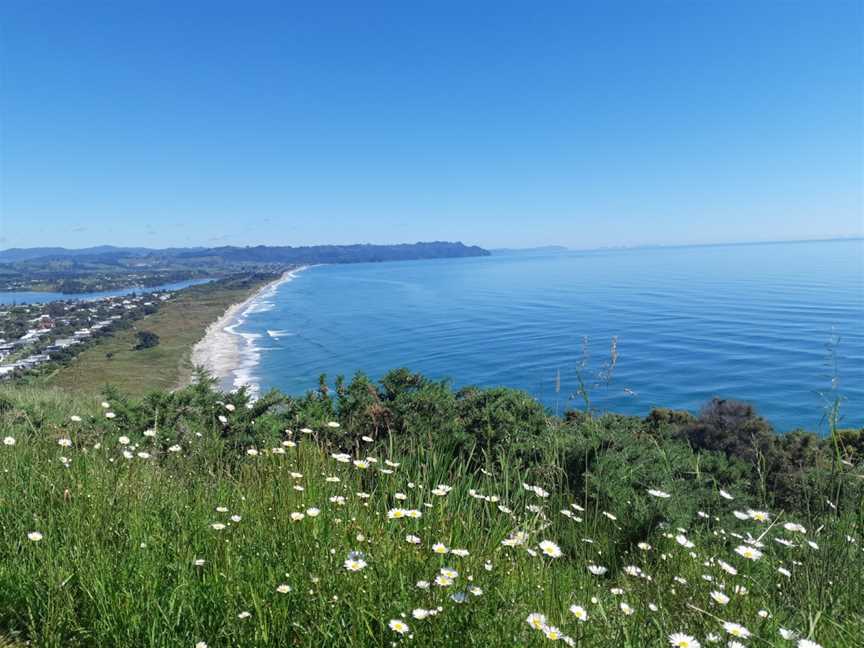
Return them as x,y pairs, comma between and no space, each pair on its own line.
105,267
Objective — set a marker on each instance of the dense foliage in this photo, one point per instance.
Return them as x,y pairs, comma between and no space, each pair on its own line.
340,518
145,340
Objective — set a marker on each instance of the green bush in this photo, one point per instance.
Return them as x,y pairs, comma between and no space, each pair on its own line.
127,553
146,340
665,420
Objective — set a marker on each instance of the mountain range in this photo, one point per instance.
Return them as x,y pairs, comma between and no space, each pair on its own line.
258,254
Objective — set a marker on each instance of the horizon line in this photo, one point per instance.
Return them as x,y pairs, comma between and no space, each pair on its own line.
643,246
602,248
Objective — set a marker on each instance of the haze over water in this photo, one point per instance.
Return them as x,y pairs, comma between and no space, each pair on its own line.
742,321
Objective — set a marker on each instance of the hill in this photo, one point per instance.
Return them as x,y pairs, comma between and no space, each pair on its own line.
371,514
359,253
13,255
258,254
108,268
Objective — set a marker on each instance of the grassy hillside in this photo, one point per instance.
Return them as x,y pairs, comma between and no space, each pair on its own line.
404,513
179,323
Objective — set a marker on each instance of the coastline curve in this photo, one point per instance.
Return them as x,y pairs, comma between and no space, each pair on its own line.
229,354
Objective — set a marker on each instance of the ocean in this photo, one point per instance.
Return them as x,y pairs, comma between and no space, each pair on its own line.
778,325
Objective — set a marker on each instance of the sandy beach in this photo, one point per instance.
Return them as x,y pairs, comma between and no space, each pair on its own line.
221,350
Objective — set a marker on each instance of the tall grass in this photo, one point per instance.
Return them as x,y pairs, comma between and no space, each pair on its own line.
128,555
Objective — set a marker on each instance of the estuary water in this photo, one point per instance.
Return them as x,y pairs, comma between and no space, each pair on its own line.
34,297
776,325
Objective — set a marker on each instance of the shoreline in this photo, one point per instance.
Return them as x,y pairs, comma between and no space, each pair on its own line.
229,356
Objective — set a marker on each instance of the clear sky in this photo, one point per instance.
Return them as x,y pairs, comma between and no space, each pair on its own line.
501,124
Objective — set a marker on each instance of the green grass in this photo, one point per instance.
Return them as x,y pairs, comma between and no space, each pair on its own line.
179,323
120,537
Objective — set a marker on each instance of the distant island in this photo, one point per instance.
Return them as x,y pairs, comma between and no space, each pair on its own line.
57,269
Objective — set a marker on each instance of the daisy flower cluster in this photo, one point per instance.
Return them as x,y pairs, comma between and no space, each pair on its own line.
296,535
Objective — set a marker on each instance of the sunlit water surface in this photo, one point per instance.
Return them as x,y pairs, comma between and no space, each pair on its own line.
753,322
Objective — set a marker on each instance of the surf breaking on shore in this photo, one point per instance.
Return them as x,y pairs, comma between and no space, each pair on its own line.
230,355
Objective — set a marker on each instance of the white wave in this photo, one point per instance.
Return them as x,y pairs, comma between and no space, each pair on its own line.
250,354
259,307
278,334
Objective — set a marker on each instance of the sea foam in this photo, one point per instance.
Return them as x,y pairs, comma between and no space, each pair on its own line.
244,375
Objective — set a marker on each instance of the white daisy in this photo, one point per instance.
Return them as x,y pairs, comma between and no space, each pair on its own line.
550,549
399,627
681,640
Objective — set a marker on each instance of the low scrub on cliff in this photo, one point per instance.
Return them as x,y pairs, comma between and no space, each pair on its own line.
403,512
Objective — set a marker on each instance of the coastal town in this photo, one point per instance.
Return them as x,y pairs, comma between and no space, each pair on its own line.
78,282
34,335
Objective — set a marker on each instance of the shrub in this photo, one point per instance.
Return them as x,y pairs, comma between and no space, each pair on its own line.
428,415
731,427
663,419
852,443
362,410
611,462
502,420
146,340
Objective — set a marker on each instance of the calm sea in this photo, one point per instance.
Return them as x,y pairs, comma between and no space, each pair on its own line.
752,322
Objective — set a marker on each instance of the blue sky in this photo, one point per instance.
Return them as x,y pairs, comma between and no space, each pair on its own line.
502,124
